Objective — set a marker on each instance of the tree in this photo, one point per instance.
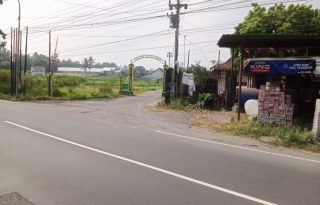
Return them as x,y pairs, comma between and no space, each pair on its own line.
200,74
279,19
4,58
91,61
140,70
39,60
2,39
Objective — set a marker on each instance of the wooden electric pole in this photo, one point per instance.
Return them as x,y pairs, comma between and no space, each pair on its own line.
177,6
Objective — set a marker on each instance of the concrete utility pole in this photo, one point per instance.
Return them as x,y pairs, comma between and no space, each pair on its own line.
25,62
16,62
177,6
11,64
184,52
49,67
26,53
188,59
18,82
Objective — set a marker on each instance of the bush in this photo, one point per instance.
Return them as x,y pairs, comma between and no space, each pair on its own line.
36,86
67,81
105,89
5,82
283,135
61,92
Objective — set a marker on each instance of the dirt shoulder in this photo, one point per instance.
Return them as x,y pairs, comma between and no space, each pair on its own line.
221,126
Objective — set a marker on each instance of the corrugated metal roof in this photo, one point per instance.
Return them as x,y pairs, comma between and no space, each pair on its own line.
77,69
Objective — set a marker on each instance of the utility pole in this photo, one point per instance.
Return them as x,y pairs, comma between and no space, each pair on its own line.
188,59
184,53
49,67
20,61
25,62
176,25
169,55
16,62
55,54
26,52
18,80
11,64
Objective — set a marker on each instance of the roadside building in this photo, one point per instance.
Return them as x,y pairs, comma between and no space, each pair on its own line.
289,86
107,71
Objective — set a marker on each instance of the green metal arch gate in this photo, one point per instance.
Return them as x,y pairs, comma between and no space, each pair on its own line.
126,86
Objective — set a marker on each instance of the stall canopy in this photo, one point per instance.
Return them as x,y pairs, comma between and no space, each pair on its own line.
269,41
281,66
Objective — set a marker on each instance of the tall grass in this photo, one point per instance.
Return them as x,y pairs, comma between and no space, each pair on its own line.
72,87
281,135
176,104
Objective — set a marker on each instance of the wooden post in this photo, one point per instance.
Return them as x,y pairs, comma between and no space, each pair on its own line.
240,81
230,94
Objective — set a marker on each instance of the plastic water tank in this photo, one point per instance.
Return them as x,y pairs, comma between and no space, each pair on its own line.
248,94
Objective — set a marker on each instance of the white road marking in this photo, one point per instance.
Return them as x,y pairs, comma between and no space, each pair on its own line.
6,101
234,193
239,147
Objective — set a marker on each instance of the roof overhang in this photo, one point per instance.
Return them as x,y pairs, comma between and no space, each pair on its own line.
269,41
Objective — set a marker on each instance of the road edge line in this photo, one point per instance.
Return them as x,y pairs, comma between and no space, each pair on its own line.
239,147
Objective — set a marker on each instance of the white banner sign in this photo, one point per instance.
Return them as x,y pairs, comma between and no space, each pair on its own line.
188,79
38,71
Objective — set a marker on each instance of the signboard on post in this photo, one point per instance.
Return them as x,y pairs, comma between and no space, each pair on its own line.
38,71
281,66
188,79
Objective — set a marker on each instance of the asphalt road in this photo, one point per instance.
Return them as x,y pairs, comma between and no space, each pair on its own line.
116,152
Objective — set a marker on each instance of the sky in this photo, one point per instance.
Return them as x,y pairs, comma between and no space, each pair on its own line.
120,30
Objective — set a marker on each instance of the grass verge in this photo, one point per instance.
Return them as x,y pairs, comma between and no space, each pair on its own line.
294,137
219,121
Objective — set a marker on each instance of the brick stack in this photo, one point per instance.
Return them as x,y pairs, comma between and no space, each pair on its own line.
275,107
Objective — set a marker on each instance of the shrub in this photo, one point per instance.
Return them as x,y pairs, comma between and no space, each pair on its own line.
36,86
176,104
5,82
61,92
67,81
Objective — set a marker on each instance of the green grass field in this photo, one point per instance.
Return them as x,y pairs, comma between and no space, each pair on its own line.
66,87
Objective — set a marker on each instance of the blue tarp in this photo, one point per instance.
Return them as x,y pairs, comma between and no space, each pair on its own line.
280,66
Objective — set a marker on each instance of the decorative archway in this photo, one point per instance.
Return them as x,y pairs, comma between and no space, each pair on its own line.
126,86
148,56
